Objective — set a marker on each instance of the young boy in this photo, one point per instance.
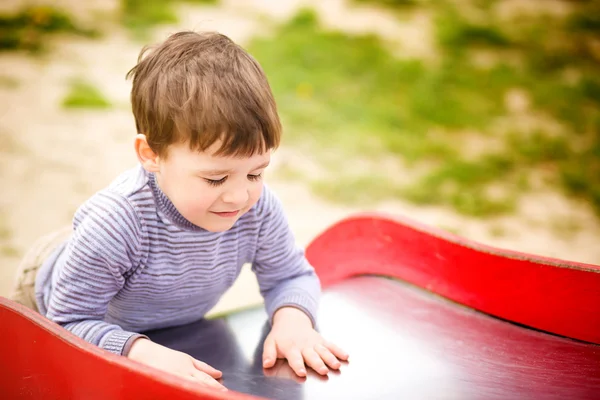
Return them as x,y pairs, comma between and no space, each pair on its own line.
162,243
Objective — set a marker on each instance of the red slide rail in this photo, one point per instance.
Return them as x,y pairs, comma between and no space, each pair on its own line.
41,360
551,295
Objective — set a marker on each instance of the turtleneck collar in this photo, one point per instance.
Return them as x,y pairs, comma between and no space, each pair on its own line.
167,208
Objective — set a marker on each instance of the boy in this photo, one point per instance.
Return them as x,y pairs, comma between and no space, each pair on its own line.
162,243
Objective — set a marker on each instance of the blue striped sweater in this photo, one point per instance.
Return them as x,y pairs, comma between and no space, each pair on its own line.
134,263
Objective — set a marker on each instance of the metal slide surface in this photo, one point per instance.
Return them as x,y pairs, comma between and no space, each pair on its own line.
404,343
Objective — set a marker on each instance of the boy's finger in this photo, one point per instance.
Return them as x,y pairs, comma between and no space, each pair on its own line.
327,356
205,379
313,360
269,353
337,351
204,367
296,361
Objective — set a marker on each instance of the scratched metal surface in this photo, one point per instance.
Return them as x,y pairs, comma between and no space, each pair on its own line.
404,343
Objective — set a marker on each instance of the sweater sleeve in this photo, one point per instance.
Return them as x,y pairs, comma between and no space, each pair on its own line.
284,275
103,249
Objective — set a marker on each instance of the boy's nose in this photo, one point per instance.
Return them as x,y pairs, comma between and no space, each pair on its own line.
236,196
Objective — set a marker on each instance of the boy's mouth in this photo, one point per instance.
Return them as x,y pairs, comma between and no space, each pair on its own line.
226,214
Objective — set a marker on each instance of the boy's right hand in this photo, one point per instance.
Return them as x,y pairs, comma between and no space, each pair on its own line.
174,362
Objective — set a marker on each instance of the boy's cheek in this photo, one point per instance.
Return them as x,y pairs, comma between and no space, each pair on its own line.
196,208
255,196
189,205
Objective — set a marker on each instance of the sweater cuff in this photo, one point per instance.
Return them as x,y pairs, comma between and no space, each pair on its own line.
130,341
116,341
300,300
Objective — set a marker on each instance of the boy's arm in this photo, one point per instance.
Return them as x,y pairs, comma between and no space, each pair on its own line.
104,247
284,275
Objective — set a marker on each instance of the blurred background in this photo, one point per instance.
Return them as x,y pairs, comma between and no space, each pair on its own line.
479,117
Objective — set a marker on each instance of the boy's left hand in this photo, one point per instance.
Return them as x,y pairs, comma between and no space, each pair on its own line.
293,337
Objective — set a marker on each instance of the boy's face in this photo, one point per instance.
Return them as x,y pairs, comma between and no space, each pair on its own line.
210,191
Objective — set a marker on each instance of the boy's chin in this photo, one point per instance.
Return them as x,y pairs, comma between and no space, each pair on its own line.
217,226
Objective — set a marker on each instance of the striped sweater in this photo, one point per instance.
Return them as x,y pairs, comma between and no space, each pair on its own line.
134,263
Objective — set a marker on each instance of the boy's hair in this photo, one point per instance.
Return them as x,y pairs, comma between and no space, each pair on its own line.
199,88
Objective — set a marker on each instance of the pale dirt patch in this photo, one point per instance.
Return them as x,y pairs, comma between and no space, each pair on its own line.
509,10
55,159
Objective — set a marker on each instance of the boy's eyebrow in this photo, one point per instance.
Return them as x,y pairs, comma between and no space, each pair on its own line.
228,171
263,165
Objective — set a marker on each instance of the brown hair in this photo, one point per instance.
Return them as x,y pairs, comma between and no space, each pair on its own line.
199,88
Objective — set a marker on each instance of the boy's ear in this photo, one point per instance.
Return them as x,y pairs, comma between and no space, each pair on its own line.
147,157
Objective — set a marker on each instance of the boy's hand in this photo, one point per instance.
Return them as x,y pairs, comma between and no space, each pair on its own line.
174,362
293,337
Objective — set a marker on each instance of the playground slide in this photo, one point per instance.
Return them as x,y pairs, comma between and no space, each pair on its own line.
423,314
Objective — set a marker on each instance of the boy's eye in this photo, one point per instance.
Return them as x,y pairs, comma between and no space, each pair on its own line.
216,182
255,177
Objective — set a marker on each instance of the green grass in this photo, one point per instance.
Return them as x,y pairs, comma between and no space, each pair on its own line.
362,101
83,94
463,185
29,28
581,175
587,19
348,94
358,90
456,34
139,16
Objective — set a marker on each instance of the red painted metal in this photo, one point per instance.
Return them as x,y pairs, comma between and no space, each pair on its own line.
555,296
41,360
